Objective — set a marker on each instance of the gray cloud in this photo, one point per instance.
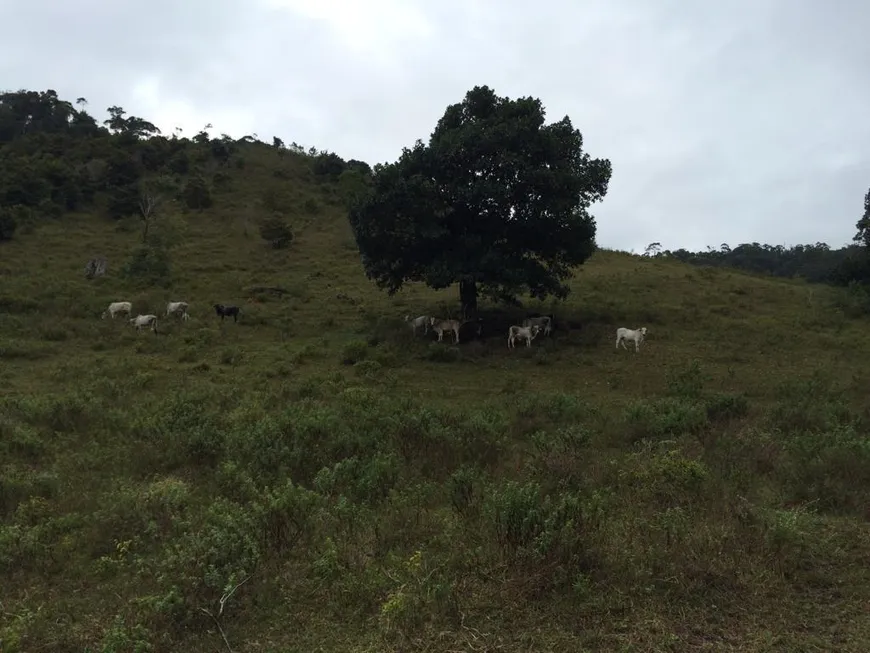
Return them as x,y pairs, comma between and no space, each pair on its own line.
725,122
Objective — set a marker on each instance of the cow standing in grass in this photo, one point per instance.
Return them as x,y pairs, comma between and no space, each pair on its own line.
117,307
179,309
635,335
146,321
418,322
543,322
227,311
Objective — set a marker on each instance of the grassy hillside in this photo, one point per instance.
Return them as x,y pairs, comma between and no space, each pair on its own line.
376,492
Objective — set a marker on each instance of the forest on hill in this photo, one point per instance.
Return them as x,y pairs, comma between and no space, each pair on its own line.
56,158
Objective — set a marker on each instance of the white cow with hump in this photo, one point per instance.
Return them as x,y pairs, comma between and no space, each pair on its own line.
147,321
544,322
636,335
117,307
417,322
527,333
177,308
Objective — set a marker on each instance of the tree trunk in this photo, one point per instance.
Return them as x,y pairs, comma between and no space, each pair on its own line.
468,298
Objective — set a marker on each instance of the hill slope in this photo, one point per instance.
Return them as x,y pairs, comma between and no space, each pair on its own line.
376,491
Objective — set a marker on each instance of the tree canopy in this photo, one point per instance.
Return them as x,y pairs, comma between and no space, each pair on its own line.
496,201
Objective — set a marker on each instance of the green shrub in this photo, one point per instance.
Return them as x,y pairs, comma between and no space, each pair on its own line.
276,231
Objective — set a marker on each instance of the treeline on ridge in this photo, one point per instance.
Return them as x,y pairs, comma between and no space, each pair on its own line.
818,263
56,158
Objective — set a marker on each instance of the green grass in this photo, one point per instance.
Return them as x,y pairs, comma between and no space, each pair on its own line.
386,493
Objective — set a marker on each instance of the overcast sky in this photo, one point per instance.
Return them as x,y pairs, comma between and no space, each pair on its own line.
729,121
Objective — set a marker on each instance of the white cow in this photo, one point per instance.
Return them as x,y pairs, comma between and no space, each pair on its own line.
177,308
144,321
637,335
422,321
544,322
117,307
440,326
522,333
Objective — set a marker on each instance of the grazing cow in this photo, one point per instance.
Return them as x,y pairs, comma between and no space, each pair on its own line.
522,333
623,334
544,322
117,307
440,326
144,321
227,311
177,308
422,321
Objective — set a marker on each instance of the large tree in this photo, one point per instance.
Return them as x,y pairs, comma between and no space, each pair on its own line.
496,201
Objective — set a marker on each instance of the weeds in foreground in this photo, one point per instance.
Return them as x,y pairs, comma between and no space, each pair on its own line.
408,516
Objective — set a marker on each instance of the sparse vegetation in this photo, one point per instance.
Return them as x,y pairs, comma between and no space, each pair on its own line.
314,477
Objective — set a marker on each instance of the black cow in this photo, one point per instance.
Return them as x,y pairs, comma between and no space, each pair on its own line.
227,311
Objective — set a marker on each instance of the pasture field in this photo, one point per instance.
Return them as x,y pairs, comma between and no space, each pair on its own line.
346,487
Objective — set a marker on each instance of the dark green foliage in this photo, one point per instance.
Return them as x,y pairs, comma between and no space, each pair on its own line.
196,193
360,166
222,149
149,265
328,165
496,200
863,225
276,232
353,184
132,128
816,263
123,201
56,158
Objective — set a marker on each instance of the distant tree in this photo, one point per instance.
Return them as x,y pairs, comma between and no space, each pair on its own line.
196,193
863,225
223,148
328,165
277,143
653,249
141,128
116,121
856,265
496,201
132,127
360,166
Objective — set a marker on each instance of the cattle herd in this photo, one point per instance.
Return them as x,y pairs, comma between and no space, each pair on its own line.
529,330
178,309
